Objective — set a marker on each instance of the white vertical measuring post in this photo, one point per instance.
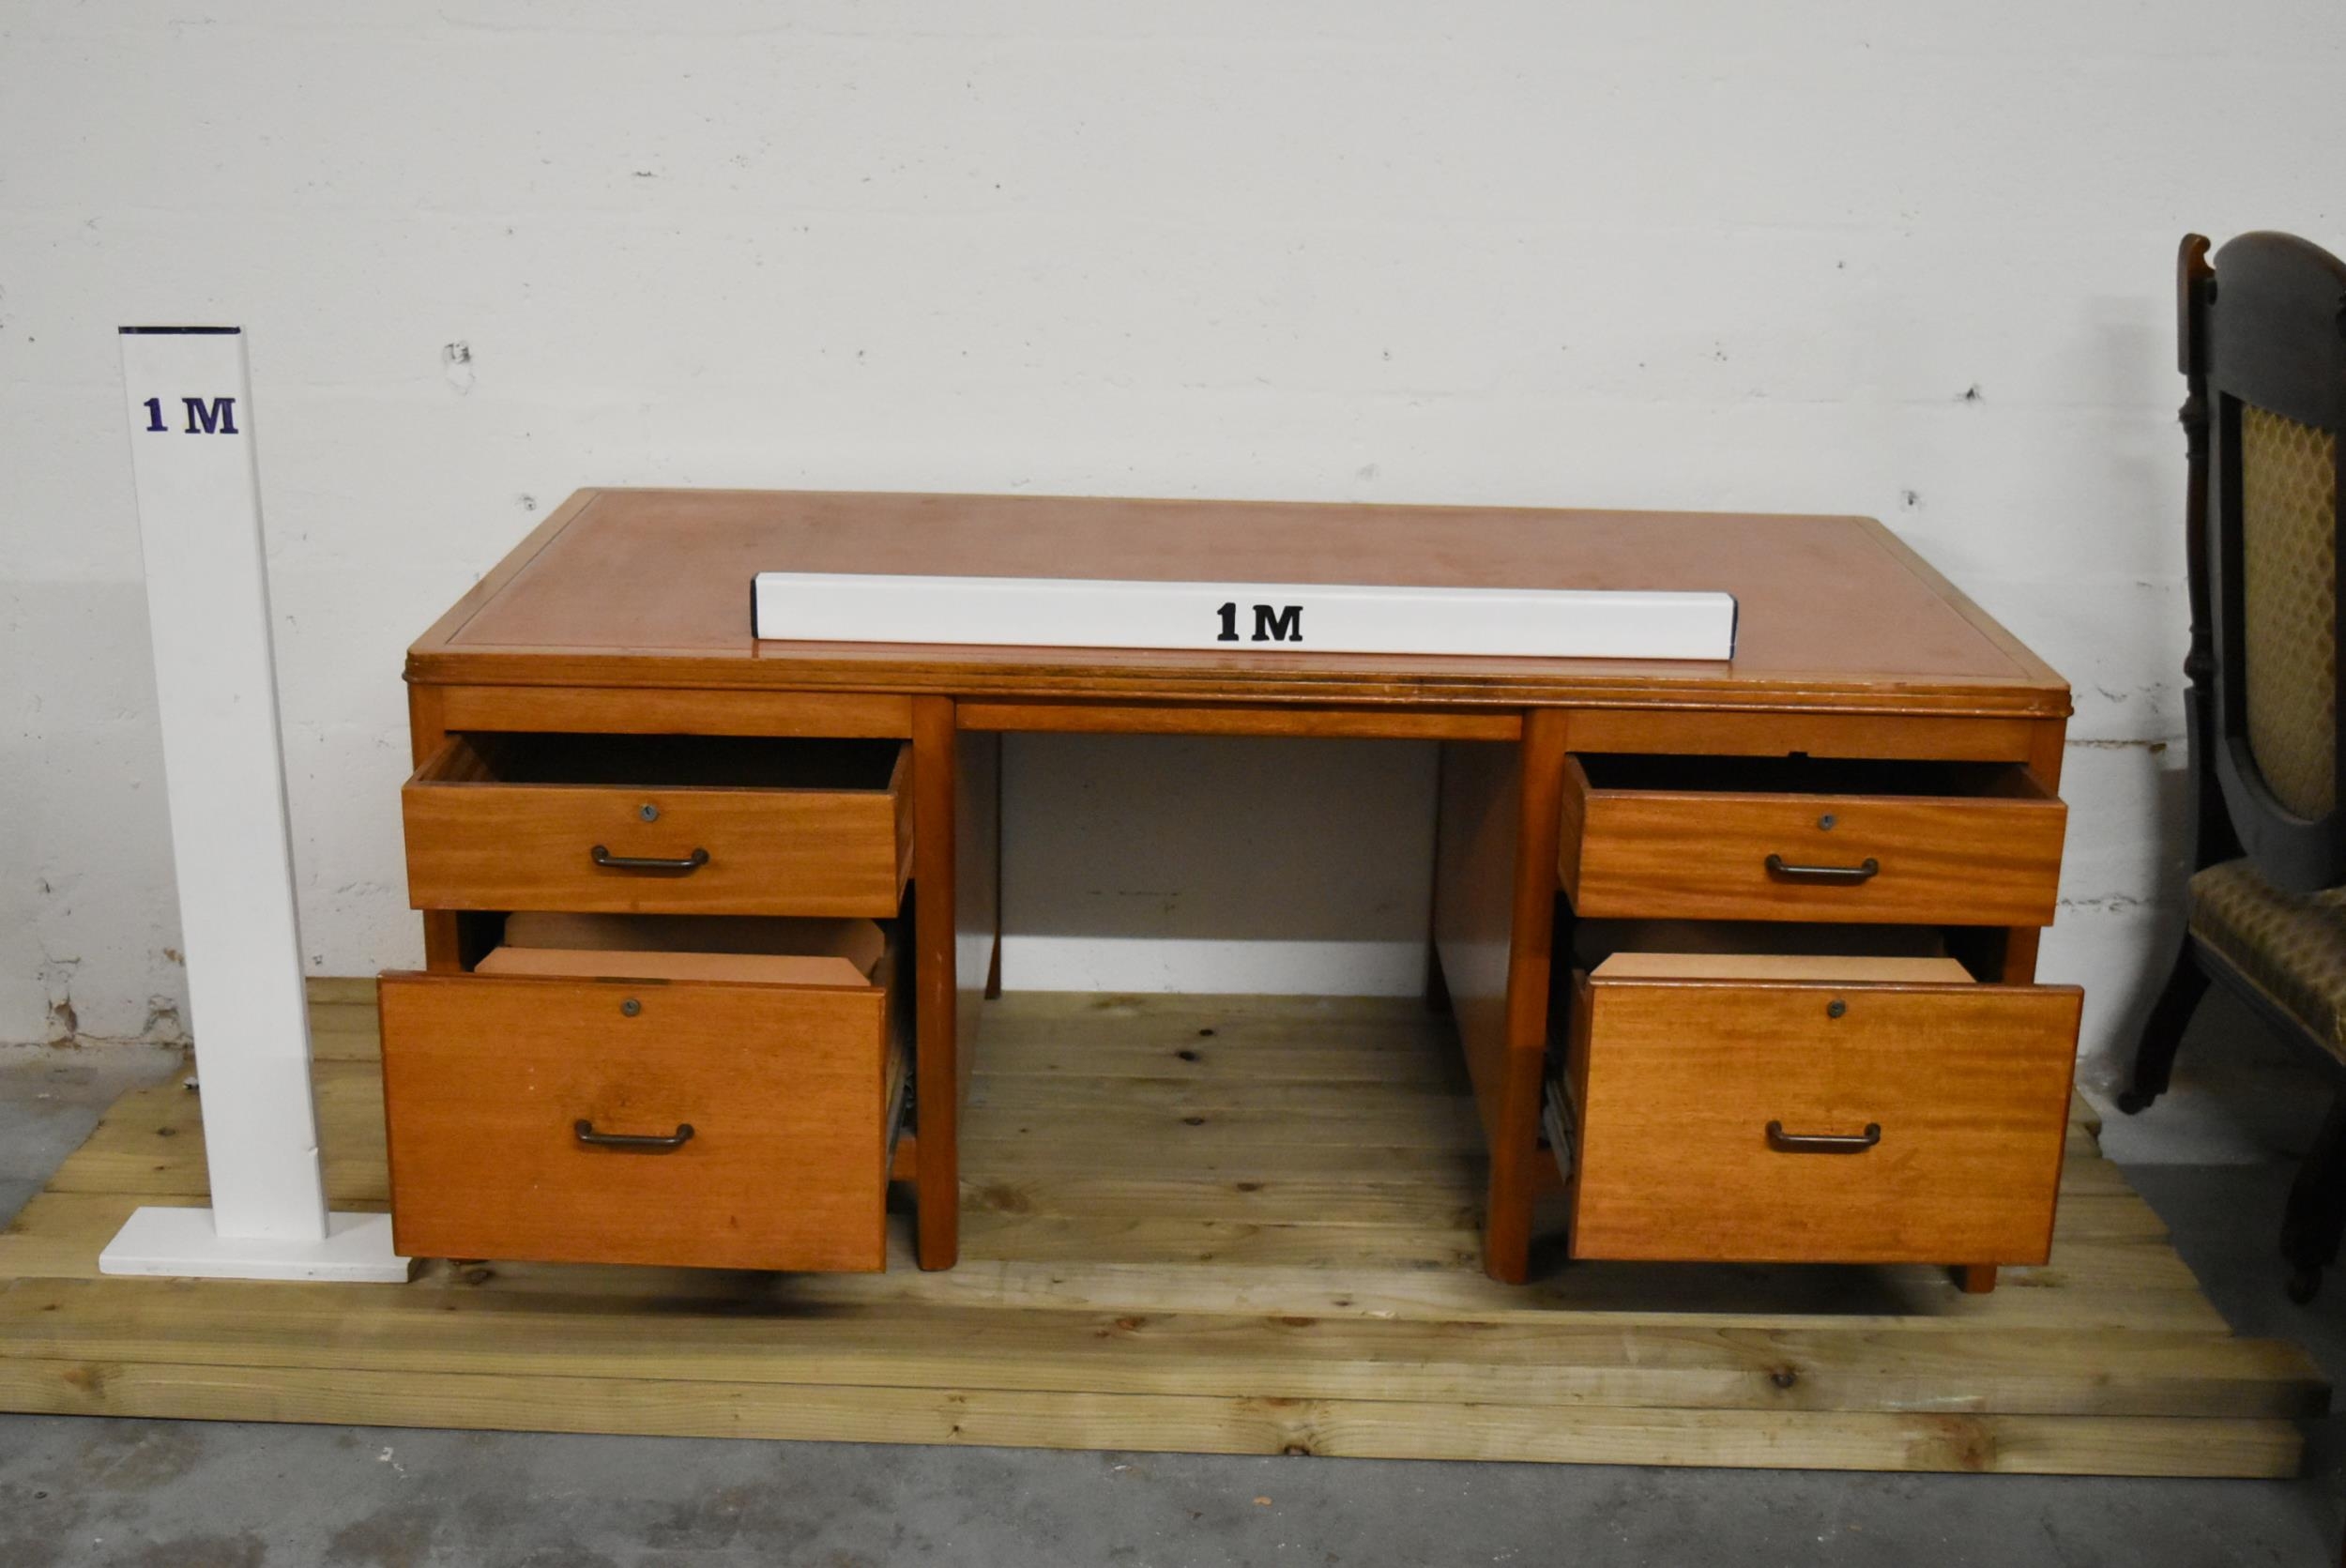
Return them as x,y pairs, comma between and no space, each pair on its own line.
191,406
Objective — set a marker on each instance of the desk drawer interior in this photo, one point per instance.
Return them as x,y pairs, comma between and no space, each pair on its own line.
1800,774
667,761
764,949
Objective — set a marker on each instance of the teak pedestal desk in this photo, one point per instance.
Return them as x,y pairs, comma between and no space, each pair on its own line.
1754,941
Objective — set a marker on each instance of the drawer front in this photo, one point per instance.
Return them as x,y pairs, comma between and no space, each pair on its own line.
487,1081
1954,860
1677,1085
478,844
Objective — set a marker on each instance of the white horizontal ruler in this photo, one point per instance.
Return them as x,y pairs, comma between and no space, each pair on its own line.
1327,618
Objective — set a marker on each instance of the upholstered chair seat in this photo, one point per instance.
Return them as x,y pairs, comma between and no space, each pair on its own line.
2291,947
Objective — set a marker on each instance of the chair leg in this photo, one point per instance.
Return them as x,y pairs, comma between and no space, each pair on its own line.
2162,1033
2316,1215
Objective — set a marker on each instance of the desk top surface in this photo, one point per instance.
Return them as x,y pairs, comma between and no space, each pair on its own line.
651,587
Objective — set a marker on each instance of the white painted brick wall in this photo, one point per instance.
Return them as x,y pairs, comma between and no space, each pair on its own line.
1826,255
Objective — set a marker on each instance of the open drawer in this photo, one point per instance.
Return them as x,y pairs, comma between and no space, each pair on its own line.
618,1113
1814,1108
714,825
1797,838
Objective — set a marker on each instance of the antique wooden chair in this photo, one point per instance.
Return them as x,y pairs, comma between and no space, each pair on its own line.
2264,351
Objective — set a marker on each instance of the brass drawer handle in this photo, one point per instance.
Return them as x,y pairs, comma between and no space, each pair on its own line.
691,862
652,1142
1822,1143
1865,873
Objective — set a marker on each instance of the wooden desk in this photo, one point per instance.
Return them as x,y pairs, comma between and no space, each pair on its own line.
626,613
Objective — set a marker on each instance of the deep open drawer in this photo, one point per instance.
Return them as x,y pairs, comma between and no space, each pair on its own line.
626,1119
1772,1109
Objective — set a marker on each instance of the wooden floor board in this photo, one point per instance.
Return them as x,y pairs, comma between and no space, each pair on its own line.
1223,1224
2020,1444
448,1325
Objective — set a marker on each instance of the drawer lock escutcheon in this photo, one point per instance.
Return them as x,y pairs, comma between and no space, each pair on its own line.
677,867
1778,866
1820,1143
646,1142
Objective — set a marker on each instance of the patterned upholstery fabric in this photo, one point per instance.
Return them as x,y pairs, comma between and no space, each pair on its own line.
2289,571
2291,946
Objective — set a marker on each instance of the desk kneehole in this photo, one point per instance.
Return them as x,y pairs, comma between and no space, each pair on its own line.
1814,1109
1800,839
718,1110
708,825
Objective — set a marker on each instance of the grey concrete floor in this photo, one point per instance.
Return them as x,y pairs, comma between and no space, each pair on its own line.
193,1494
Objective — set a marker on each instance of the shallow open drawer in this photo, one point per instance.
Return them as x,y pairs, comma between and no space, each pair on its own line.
717,825
1810,838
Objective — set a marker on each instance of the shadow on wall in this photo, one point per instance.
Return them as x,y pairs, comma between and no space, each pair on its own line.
2136,466
1216,864
2130,957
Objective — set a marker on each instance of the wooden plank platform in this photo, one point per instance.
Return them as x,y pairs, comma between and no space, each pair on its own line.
1213,1223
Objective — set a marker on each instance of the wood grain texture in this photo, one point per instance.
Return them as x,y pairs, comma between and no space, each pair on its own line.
635,711
1777,966
1480,822
1731,733
977,888
1210,719
649,588
1517,1168
658,964
1676,854
427,734
2047,750
2056,1445
484,1079
938,1073
1148,1301
1677,1080
477,841
1559,1364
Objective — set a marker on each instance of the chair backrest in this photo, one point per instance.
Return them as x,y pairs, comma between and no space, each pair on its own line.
2263,345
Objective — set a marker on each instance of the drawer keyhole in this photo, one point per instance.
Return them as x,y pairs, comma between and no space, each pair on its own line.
1835,1008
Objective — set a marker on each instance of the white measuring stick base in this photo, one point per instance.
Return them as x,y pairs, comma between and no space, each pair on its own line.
181,1243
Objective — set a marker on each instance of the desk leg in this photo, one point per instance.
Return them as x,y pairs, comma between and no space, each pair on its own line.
1515,1139
938,1075
976,890
1494,919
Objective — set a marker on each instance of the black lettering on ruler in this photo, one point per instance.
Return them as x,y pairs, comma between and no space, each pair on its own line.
1278,623
215,417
